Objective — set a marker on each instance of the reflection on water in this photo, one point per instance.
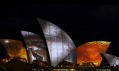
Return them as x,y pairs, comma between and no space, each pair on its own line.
64,69
39,70
103,70
54,70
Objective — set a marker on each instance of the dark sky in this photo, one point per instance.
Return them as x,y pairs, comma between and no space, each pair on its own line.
83,23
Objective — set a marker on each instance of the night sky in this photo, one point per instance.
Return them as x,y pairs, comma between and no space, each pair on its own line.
83,23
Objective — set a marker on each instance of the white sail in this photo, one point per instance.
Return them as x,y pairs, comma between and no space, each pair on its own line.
59,43
71,57
35,47
113,60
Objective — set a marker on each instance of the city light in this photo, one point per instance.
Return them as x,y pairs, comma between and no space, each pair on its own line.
6,41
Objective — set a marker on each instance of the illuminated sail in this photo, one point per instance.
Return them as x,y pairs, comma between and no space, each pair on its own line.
113,60
59,43
71,57
90,52
35,47
15,49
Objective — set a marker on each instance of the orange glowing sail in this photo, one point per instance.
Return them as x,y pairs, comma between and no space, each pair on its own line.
90,52
15,49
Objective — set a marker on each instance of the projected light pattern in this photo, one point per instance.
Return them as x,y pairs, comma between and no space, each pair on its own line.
113,60
35,47
15,49
59,43
90,52
69,57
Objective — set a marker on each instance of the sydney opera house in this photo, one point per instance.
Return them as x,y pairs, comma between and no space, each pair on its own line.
54,50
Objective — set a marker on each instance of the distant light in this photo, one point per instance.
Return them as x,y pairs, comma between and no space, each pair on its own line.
6,41
114,65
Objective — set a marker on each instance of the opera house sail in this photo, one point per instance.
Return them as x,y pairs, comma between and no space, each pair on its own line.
90,52
60,46
35,47
112,59
15,49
